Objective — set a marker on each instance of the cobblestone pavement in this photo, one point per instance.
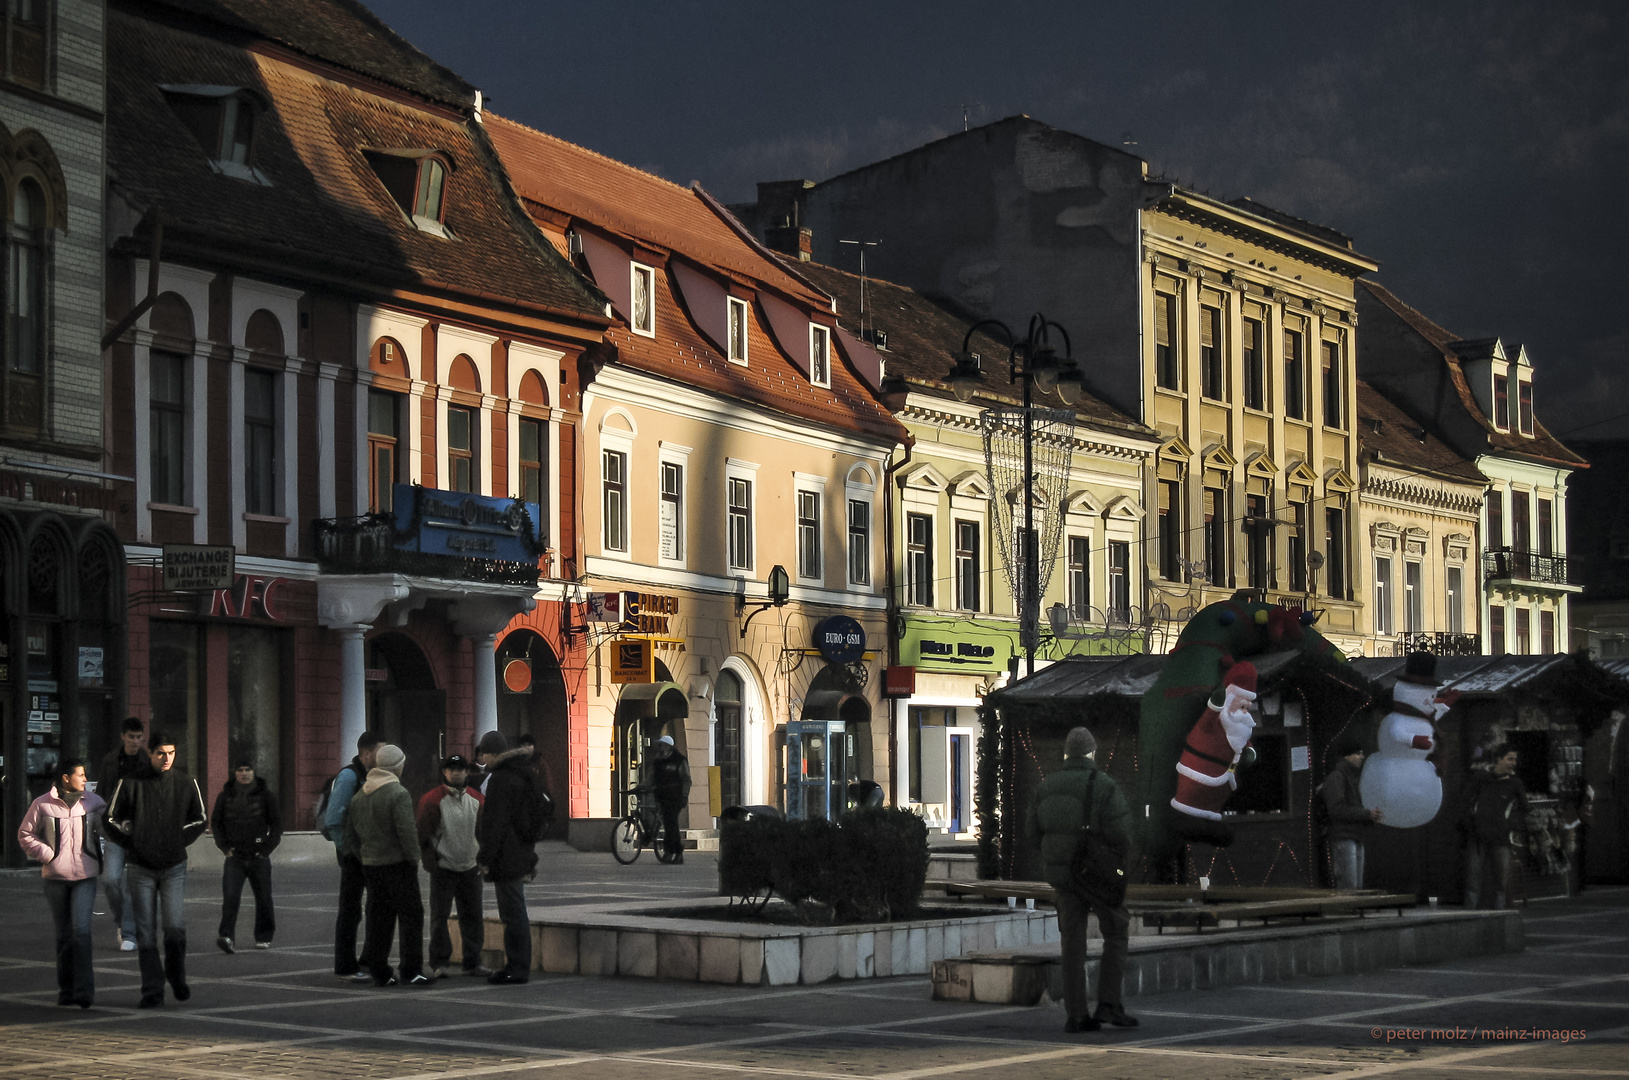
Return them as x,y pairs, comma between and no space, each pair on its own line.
283,1014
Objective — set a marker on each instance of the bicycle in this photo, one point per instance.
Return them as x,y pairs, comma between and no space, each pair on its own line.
641,828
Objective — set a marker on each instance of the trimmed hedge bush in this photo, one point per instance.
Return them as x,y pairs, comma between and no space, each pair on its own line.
869,866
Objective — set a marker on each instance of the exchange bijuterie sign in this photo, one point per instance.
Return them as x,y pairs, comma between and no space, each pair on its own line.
199,566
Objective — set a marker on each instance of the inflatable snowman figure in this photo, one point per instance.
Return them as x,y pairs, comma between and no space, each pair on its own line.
1397,779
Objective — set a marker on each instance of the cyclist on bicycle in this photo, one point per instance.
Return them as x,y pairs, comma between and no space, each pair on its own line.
667,774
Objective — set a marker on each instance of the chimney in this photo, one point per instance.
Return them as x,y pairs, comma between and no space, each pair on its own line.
780,212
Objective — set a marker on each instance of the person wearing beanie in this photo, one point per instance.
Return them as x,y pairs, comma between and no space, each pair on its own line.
1349,821
1071,800
62,832
492,746
341,790
379,827
248,826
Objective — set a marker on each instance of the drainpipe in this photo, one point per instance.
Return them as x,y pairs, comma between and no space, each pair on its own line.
888,584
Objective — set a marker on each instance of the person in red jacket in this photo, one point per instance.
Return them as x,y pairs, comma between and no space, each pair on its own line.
446,819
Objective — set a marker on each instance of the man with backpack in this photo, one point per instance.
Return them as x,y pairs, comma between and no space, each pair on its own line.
510,822
331,818
1071,801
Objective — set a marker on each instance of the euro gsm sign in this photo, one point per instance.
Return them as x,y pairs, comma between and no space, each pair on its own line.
249,596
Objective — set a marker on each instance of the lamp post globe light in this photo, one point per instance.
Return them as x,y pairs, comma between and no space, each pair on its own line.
1033,363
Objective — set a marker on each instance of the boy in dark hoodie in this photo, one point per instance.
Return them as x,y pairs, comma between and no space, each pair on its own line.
155,814
247,826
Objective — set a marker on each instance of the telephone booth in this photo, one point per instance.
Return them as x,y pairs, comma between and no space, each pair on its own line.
816,769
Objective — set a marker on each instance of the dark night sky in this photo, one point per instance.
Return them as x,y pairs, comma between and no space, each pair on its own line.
1479,151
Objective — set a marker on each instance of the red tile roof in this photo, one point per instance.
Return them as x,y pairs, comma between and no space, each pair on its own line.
602,194
1542,446
1397,439
323,210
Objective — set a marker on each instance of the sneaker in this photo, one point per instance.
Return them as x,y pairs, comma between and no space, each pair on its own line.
1076,1024
358,977
480,970
224,944
388,980
438,973
127,944
1114,1014
151,1001
262,944
420,980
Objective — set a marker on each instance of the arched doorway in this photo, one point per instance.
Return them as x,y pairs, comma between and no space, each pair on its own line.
840,695
645,712
727,736
406,708
532,701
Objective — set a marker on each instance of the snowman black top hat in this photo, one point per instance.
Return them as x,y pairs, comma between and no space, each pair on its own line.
1421,669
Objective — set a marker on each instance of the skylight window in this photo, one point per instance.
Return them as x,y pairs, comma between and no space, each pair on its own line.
223,119
417,180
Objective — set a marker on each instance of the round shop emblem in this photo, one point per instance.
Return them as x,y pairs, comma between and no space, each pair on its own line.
467,512
517,676
840,639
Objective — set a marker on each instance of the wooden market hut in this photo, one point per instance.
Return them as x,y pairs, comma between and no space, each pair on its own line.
1305,710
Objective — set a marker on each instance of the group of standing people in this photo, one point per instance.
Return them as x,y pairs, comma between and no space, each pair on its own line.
461,834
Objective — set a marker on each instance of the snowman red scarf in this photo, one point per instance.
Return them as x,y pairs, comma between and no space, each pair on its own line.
1210,754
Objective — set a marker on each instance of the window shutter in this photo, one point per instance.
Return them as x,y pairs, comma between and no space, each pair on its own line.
1207,327
1162,318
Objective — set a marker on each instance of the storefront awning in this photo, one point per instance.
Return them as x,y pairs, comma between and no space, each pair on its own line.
663,700
835,705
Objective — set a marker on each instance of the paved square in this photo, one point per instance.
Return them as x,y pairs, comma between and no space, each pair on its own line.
283,1014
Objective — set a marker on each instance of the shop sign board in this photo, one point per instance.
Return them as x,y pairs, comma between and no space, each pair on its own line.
199,566
633,660
899,681
250,597
469,526
966,645
839,639
604,607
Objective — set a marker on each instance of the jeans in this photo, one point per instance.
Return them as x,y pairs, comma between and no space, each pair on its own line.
118,893
159,897
517,927
72,903
1474,856
1111,973
672,839
256,870
351,885
393,899
465,887
1347,857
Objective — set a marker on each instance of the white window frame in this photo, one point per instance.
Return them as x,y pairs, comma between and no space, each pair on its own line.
1069,537
1414,595
748,471
1455,598
669,453
1384,586
819,355
959,594
920,580
737,313
809,484
859,491
635,271
605,499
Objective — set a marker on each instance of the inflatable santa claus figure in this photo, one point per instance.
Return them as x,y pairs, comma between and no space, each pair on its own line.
1211,752
1397,779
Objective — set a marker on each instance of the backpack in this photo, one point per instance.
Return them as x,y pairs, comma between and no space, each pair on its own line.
320,810
537,814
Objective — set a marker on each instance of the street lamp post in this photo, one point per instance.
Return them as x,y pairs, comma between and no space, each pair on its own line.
1032,362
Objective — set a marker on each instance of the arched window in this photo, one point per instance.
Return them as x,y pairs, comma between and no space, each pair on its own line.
25,307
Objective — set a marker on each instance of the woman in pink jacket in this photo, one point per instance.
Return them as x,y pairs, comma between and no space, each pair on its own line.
61,833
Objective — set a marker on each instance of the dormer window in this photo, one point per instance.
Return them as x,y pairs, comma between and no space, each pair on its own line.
24,55
417,180
1501,402
819,355
643,300
737,330
1524,405
223,120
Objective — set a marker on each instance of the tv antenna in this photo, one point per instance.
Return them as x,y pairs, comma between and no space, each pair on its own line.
862,245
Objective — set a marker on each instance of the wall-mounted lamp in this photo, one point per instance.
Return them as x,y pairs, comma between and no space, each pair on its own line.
780,591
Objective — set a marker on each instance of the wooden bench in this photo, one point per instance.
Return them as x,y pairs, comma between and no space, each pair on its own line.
1187,905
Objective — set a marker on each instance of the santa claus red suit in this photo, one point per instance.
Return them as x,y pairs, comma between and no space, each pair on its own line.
1205,771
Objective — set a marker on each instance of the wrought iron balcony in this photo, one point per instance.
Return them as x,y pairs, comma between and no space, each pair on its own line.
367,545
1437,643
1511,564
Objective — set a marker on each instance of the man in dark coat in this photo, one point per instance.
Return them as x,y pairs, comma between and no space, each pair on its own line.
1349,820
667,773
506,834
352,884
155,815
247,825
1069,801
122,761
1495,820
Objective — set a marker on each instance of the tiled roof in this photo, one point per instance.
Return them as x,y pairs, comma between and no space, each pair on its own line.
607,195
577,181
924,335
341,32
1290,221
1399,439
1542,446
323,207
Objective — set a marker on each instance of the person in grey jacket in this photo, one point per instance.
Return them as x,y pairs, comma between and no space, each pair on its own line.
1349,820
379,827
